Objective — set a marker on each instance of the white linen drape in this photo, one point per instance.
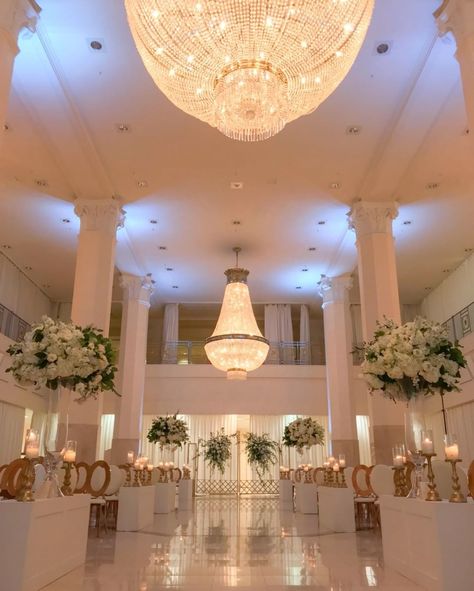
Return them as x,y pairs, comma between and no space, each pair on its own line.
363,435
279,329
460,421
106,434
12,423
287,354
170,334
305,336
38,422
272,333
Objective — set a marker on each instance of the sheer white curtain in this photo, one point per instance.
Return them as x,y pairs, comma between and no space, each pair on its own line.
363,435
272,333
106,435
460,421
286,332
170,333
305,336
12,423
38,422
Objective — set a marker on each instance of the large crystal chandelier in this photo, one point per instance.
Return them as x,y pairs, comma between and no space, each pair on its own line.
236,345
248,67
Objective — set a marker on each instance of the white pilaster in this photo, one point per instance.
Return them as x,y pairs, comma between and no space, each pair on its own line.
132,365
15,15
338,345
377,268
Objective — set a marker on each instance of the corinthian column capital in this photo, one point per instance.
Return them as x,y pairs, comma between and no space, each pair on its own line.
335,289
136,288
16,15
372,217
100,214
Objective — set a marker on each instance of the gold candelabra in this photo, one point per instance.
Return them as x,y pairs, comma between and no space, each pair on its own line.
25,494
66,488
432,494
456,495
137,477
343,478
128,479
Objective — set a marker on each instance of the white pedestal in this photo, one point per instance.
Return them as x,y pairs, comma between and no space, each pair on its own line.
431,543
308,500
285,488
135,508
165,493
297,485
336,509
41,541
185,495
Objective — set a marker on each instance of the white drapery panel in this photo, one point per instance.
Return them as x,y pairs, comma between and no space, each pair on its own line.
272,333
12,423
363,435
287,354
305,336
38,422
460,421
170,333
106,435
279,329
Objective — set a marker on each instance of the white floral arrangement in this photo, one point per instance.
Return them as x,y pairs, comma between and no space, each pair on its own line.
168,431
262,452
303,432
417,357
217,450
55,353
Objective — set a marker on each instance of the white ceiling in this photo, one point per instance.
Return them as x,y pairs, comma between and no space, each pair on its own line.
67,101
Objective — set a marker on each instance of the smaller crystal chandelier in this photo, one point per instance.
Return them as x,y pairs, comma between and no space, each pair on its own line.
236,346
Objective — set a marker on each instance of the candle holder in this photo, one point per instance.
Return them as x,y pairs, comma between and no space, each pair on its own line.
432,494
187,473
456,495
128,472
330,477
25,494
66,488
343,478
399,481
307,476
137,478
337,484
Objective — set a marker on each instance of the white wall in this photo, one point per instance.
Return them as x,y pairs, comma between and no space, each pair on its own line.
20,295
452,295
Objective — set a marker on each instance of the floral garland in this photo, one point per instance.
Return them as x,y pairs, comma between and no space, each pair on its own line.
417,357
261,452
302,433
55,353
168,431
217,450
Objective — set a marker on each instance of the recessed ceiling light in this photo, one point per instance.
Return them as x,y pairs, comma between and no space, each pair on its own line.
6,246
162,247
236,222
321,222
466,131
312,248
353,130
95,45
175,287
446,270
122,127
6,127
431,186
169,268
153,221
468,249
427,288
66,221
28,268
41,182
142,184
407,223
335,185
298,287
383,48
304,269
236,185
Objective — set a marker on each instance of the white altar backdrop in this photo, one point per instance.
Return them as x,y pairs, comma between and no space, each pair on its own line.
12,424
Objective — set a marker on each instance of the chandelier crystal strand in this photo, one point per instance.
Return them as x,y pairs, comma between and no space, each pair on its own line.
236,346
248,67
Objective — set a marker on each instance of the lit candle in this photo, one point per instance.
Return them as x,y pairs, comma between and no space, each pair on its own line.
70,455
427,445
160,465
149,467
335,467
136,465
130,457
32,444
306,468
331,460
398,461
342,460
452,451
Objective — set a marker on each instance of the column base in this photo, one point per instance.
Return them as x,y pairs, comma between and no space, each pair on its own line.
86,437
120,448
385,437
349,447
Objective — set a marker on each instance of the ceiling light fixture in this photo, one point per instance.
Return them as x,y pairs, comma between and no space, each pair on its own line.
162,248
236,185
41,182
431,186
304,269
175,287
248,68
335,185
142,184
298,287
383,48
236,222
353,130
154,222
122,127
66,221
6,247
407,223
312,248
169,268
95,45
236,346
321,223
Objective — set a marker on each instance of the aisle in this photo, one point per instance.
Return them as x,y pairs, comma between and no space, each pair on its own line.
228,543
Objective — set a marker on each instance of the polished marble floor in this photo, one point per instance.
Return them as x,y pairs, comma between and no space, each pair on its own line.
228,543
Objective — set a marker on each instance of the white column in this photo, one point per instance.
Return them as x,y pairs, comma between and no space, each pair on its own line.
91,304
15,15
378,282
132,365
457,16
339,368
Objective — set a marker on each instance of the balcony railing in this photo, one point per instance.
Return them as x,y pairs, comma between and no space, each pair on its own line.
461,324
192,352
11,325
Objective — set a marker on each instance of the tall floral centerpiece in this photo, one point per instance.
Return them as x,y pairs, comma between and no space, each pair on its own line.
406,363
303,433
169,432
217,450
261,452
55,353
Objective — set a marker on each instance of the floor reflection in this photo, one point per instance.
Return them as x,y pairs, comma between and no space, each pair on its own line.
227,543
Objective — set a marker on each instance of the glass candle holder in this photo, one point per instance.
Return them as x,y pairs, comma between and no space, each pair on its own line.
451,447
342,460
427,444
70,452
398,456
130,458
32,444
